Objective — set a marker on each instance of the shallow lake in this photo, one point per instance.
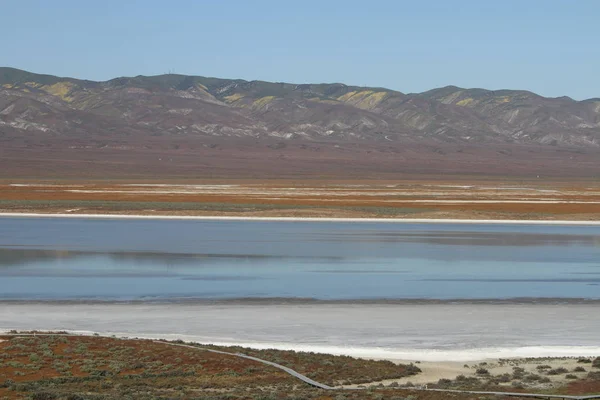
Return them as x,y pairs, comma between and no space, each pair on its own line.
168,260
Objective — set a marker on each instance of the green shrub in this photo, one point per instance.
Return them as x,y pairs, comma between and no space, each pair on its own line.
557,371
7,383
44,396
518,373
594,376
518,385
532,378
444,382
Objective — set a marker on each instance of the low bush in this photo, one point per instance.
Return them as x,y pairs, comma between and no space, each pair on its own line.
43,396
504,378
557,371
444,382
594,376
7,383
532,378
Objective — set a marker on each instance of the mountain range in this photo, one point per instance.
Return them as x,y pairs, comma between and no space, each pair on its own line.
178,113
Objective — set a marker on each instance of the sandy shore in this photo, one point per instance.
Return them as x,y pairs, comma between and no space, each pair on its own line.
433,371
307,219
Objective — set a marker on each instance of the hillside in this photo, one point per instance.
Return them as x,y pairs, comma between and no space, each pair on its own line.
375,130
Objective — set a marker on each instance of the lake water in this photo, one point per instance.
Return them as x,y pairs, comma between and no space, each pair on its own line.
124,259
393,290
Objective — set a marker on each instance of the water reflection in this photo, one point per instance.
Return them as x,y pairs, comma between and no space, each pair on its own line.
462,238
14,257
122,259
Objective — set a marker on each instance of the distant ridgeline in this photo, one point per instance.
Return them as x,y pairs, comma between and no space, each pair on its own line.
196,106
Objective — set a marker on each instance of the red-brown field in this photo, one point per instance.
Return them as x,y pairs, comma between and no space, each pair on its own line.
460,198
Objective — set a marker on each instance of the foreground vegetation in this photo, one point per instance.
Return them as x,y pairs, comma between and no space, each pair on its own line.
329,369
57,367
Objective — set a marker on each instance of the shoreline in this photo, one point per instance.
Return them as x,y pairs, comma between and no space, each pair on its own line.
307,219
406,356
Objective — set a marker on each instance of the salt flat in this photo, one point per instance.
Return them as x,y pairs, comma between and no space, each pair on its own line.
447,332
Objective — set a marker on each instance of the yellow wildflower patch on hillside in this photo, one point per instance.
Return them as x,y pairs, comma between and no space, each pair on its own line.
371,101
346,96
354,97
60,89
262,102
464,102
234,97
367,99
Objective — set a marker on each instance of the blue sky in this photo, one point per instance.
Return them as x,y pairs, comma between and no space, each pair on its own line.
549,47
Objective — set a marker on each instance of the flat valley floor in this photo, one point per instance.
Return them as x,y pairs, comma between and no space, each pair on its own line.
422,198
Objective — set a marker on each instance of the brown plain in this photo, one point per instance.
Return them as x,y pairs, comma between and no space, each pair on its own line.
459,198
